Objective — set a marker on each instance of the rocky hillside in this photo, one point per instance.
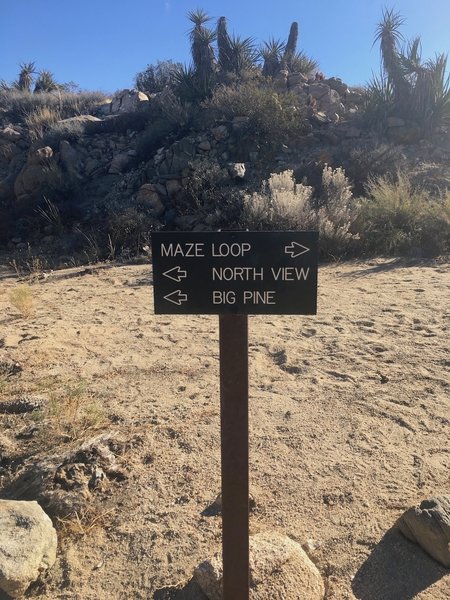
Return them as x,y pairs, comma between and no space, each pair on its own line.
140,162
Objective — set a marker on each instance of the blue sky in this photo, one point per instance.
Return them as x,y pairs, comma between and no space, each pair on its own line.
102,44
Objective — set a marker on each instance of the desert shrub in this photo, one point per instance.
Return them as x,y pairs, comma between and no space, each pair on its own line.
273,118
397,218
60,185
19,103
155,78
281,204
284,204
21,298
153,137
128,231
370,161
209,192
71,131
40,120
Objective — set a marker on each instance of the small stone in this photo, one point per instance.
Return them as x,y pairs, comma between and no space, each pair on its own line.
428,525
237,170
205,146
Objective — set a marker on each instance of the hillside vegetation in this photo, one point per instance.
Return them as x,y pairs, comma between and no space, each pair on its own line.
243,137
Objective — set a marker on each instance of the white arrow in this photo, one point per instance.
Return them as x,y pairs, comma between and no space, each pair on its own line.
176,273
176,297
295,249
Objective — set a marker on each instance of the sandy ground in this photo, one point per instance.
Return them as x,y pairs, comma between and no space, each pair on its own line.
349,414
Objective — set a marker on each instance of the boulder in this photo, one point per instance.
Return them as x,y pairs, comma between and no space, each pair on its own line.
428,525
148,196
338,85
237,170
119,163
279,570
10,134
295,79
27,545
173,186
128,101
69,157
30,180
220,132
318,90
40,156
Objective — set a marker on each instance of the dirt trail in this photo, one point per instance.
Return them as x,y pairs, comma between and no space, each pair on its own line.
349,411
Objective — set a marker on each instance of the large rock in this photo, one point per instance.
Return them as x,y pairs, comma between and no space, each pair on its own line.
429,526
34,173
149,197
128,101
69,157
11,134
279,570
27,545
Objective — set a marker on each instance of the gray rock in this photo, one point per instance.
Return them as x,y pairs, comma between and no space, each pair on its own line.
237,170
429,526
295,79
279,570
148,196
128,101
69,157
319,90
27,545
337,84
11,134
119,163
220,132
205,145
173,186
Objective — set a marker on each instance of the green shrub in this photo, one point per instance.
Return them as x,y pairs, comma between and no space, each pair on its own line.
398,218
273,118
155,78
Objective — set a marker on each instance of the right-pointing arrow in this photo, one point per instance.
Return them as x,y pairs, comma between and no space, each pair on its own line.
295,249
176,297
176,273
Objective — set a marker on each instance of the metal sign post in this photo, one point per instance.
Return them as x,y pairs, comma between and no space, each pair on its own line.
233,340
234,274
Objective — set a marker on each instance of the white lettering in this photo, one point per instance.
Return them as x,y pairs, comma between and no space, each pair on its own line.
237,273
290,273
189,249
255,297
224,297
230,249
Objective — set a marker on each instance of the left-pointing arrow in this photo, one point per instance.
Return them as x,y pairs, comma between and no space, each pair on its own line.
176,273
176,297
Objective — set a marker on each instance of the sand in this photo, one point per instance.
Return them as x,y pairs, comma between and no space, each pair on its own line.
349,419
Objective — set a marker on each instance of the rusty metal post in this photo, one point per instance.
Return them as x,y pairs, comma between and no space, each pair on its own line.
233,339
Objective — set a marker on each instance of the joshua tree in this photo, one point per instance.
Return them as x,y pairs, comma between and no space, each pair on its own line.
409,87
389,36
26,76
223,45
291,45
201,48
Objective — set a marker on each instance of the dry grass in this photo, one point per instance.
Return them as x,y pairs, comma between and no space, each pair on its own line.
22,299
40,120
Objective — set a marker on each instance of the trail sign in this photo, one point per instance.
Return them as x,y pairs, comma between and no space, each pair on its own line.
235,272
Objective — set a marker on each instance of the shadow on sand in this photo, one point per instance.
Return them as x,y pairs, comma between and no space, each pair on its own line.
396,570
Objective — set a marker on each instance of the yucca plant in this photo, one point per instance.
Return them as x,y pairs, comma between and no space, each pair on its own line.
45,82
389,37
271,53
27,70
300,62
